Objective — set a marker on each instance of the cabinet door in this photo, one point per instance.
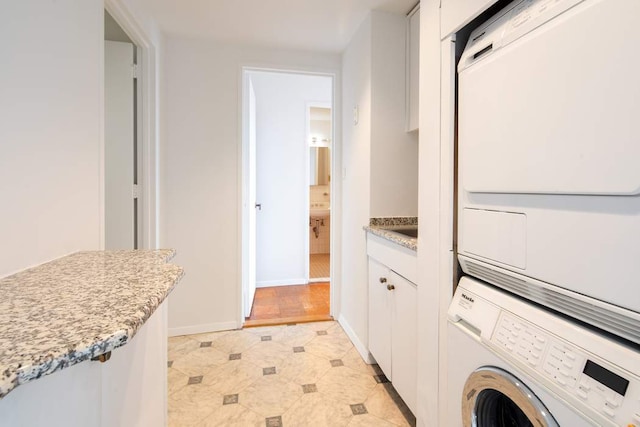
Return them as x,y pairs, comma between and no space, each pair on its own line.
380,300
134,381
404,335
413,69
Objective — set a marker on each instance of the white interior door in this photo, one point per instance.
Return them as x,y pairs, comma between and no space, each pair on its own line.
119,145
251,290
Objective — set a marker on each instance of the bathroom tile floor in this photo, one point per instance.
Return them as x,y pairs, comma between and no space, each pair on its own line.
306,374
319,265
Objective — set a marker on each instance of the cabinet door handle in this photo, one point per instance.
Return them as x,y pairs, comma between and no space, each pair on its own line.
390,287
383,280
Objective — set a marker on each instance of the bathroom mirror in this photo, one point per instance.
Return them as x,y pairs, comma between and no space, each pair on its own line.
320,165
319,132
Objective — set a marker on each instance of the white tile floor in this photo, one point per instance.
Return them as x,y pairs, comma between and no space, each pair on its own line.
319,265
297,375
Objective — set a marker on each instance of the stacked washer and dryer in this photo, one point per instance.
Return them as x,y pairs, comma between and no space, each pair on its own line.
545,329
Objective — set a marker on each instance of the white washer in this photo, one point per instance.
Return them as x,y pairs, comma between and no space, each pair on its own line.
511,363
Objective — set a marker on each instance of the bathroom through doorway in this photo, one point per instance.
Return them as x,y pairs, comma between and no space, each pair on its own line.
287,193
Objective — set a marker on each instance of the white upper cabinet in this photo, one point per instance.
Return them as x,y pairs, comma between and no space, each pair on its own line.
457,13
413,68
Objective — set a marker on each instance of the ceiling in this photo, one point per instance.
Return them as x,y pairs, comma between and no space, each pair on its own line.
316,25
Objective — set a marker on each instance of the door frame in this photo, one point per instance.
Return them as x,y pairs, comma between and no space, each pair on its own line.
243,204
146,125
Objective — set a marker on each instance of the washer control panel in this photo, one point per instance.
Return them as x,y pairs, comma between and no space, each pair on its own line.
610,395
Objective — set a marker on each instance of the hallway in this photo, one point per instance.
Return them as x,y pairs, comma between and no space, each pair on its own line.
287,304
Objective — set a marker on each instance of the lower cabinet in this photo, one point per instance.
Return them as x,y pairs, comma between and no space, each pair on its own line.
393,329
129,390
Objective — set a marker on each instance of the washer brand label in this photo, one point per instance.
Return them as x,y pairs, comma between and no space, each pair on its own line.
465,301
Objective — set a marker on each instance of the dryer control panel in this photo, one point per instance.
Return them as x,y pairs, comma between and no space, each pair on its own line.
590,371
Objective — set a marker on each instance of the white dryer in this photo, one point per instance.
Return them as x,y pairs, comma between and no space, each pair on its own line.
511,363
549,142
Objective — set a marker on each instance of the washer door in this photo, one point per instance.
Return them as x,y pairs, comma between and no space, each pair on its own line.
493,397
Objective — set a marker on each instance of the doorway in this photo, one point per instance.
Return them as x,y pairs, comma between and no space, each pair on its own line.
143,191
121,148
319,136
286,166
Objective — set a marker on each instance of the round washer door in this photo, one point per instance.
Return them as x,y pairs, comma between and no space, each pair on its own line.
493,397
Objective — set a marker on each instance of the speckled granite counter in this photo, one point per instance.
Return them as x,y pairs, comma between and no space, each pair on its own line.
384,227
77,307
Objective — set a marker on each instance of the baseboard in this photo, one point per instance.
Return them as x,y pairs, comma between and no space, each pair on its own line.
362,349
289,282
201,329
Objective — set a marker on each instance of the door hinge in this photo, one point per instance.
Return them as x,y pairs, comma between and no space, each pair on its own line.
134,70
136,191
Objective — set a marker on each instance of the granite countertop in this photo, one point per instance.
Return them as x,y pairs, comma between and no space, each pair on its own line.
384,227
77,307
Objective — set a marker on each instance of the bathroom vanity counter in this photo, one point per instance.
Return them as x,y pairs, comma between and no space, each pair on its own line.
398,230
76,308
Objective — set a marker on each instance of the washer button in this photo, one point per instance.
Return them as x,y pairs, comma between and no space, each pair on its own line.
561,381
612,403
609,412
582,394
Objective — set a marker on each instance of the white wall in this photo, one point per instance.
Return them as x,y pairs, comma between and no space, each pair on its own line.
356,92
282,163
380,158
200,183
394,156
51,109
51,81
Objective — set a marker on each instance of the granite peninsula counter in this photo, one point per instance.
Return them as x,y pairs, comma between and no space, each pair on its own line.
78,307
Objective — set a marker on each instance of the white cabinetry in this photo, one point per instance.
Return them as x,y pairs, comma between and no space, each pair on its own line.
457,13
393,317
413,68
380,316
128,390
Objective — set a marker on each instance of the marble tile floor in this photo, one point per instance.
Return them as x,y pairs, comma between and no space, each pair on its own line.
307,374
